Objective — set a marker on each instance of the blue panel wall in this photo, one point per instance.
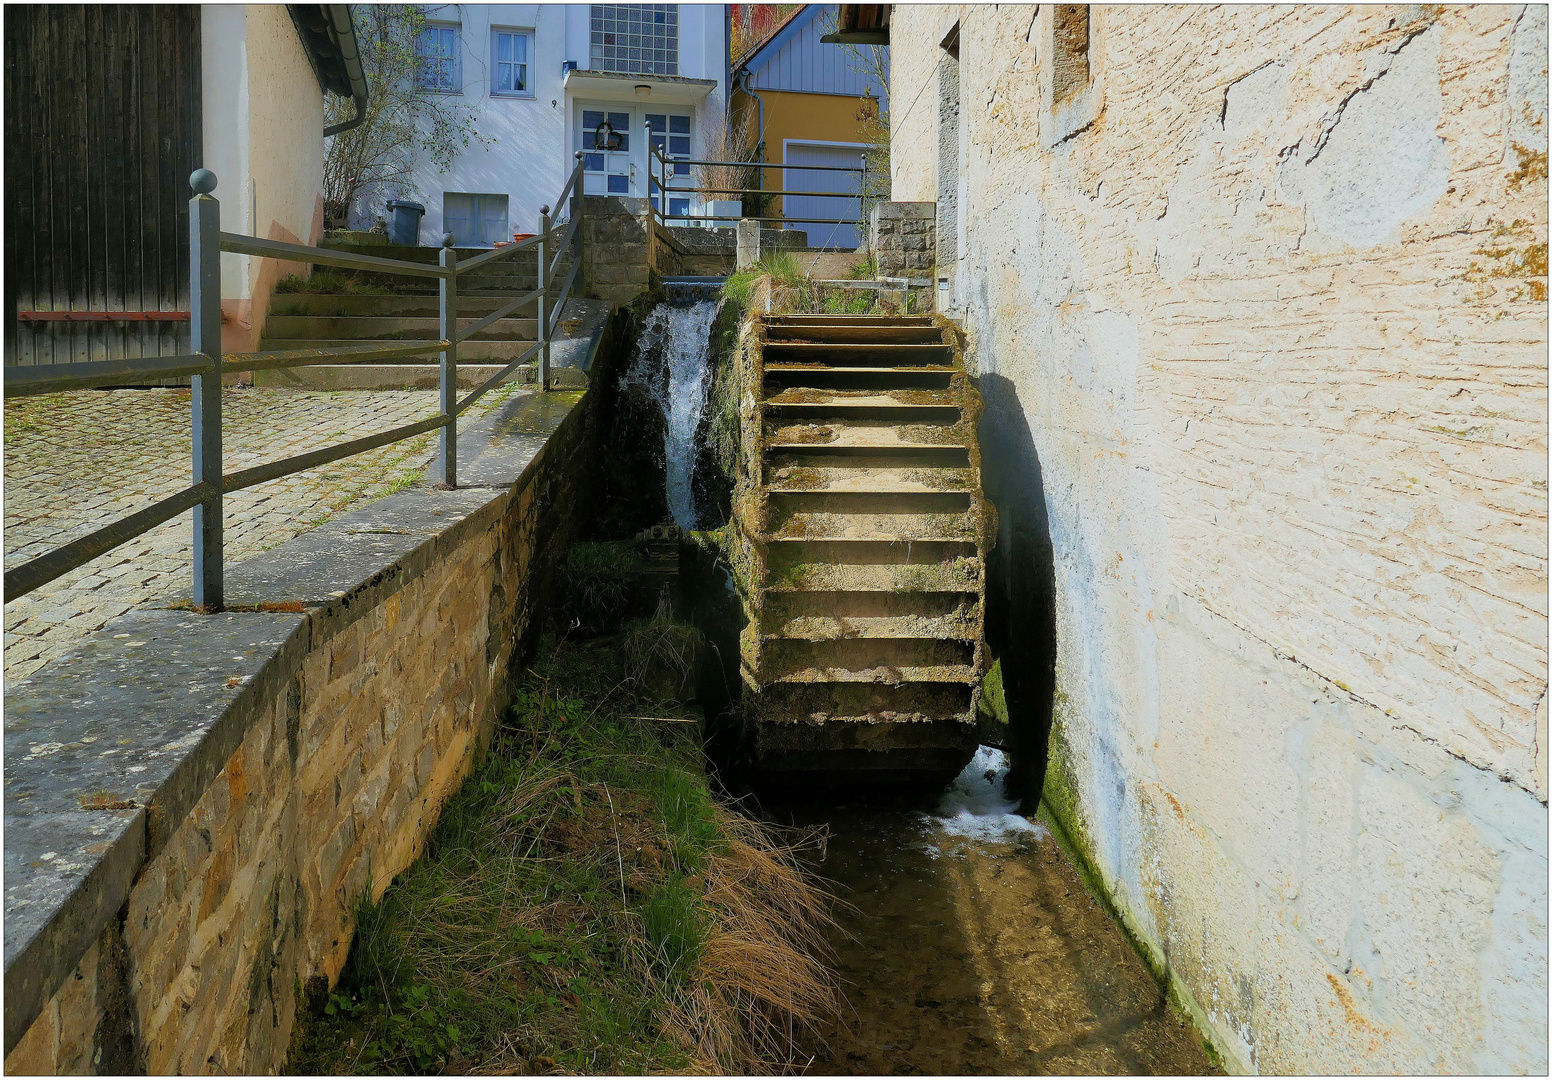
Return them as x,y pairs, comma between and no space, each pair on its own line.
798,61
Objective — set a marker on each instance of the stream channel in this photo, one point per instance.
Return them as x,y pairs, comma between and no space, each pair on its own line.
967,940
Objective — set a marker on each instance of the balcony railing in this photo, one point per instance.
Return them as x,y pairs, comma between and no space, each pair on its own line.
660,170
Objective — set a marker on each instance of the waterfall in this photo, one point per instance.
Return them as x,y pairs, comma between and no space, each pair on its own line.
673,365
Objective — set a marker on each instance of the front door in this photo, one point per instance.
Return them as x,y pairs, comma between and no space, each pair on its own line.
608,171
669,132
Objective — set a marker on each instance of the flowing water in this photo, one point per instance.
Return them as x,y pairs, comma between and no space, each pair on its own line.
672,363
968,942
971,945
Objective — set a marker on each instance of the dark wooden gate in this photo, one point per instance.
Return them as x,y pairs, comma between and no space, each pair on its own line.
102,128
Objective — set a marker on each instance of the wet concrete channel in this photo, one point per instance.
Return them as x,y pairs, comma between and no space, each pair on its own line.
970,945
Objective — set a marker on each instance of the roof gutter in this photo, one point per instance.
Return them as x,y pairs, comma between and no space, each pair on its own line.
343,31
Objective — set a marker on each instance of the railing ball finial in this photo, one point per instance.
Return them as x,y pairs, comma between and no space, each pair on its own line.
447,239
544,209
203,181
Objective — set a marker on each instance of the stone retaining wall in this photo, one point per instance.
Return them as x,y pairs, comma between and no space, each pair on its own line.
196,802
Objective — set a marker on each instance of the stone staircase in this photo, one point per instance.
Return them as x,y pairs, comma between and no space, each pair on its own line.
864,642
404,310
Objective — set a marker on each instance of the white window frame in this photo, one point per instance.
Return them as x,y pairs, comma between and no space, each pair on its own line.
455,73
474,198
515,31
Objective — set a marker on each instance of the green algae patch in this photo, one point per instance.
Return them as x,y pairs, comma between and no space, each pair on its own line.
1060,809
585,903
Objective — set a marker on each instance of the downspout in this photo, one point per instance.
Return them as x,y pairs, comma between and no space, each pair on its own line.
344,32
743,84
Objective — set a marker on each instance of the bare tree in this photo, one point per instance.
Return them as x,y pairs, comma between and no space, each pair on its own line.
404,124
872,115
725,142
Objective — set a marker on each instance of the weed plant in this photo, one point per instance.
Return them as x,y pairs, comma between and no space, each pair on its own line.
585,904
599,584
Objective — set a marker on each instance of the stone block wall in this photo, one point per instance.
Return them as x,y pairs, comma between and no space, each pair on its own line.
617,248
361,722
903,236
1259,315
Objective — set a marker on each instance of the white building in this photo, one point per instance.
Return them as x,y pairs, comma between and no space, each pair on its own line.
540,78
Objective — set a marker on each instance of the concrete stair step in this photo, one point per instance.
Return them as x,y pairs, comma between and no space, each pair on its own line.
794,705
799,397
862,435
828,333
890,528
890,675
786,479
956,575
355,305
472,351
383,328
914,377
832,628
848,320
407,377
848,607
855,354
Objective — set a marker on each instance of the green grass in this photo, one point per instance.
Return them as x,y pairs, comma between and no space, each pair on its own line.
600,582
584,904
782,266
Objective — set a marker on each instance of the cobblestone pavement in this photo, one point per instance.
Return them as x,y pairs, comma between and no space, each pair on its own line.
75,462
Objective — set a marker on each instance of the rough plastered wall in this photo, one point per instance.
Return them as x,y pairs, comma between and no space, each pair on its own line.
1260,316
263,138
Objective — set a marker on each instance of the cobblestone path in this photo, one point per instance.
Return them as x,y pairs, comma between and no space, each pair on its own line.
75,462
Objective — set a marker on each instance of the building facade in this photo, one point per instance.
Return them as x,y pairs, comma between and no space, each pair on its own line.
1257,299
805,101
100,145
540,79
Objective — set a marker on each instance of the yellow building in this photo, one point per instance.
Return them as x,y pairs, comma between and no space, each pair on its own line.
805,102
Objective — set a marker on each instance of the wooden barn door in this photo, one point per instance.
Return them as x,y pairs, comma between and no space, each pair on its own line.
102,128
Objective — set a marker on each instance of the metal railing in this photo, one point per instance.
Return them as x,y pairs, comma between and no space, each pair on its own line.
207,364
662,179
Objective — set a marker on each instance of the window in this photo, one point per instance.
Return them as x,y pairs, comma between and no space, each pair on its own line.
671,134
642,39
619,121
511,52
436,54
475,220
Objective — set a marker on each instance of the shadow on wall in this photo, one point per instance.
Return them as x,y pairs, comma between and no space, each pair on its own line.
1020,584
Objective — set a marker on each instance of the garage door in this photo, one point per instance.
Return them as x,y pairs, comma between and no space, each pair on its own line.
835,194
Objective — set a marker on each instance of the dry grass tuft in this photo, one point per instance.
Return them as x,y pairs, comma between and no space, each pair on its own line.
585,904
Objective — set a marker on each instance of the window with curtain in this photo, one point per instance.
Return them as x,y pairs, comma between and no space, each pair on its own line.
474,220
512,51
436,56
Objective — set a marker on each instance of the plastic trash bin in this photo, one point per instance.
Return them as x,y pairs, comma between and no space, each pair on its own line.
404,222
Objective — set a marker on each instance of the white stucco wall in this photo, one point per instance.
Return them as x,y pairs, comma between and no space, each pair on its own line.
533,140
263,136
1263,337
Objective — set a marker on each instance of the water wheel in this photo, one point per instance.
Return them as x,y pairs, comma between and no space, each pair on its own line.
861,528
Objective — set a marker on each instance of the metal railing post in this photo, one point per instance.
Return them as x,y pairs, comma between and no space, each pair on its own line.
205,338
448,297
576,211
544,295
